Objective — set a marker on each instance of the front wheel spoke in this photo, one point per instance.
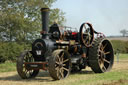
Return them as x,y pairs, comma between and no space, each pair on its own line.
100,51
107,61
57,62
26,71
58,73
65,60
64,64
23,65
107,53
61,72
65,69
30,73
62,56
26,59
58,58
57,68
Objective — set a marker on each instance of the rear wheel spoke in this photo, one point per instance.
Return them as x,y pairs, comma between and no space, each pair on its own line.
104,46
101,63
104,68
106,61
107,53
101,47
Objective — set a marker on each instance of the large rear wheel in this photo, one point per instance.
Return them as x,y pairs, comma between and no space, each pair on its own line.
101,56
22,71
59,64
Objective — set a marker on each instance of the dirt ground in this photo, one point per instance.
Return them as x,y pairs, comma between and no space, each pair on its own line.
12,78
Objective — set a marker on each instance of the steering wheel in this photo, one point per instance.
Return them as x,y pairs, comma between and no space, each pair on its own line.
86,34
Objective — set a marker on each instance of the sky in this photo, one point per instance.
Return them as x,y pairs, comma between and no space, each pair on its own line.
106,16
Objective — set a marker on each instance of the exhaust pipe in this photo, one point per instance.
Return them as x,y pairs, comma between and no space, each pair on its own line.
45,21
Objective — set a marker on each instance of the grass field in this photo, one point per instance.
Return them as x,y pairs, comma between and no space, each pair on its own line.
7,66
117,76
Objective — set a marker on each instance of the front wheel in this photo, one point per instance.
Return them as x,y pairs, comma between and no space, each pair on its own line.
22,71
101,56
59,64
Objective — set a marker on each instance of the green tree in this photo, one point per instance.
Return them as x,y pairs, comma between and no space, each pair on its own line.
20,20
20,23
57,15
124,32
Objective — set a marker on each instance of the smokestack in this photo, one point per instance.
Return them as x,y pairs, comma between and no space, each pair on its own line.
45,21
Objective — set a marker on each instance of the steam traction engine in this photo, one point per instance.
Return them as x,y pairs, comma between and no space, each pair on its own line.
61,51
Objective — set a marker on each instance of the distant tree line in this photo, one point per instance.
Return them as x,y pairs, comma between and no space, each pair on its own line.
120,46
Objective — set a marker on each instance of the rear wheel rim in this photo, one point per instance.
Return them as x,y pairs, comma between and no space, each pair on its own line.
104,59
101,57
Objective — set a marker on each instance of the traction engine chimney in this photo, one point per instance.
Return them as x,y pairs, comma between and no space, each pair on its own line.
45,21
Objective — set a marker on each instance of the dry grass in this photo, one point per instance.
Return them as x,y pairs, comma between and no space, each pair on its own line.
86,77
